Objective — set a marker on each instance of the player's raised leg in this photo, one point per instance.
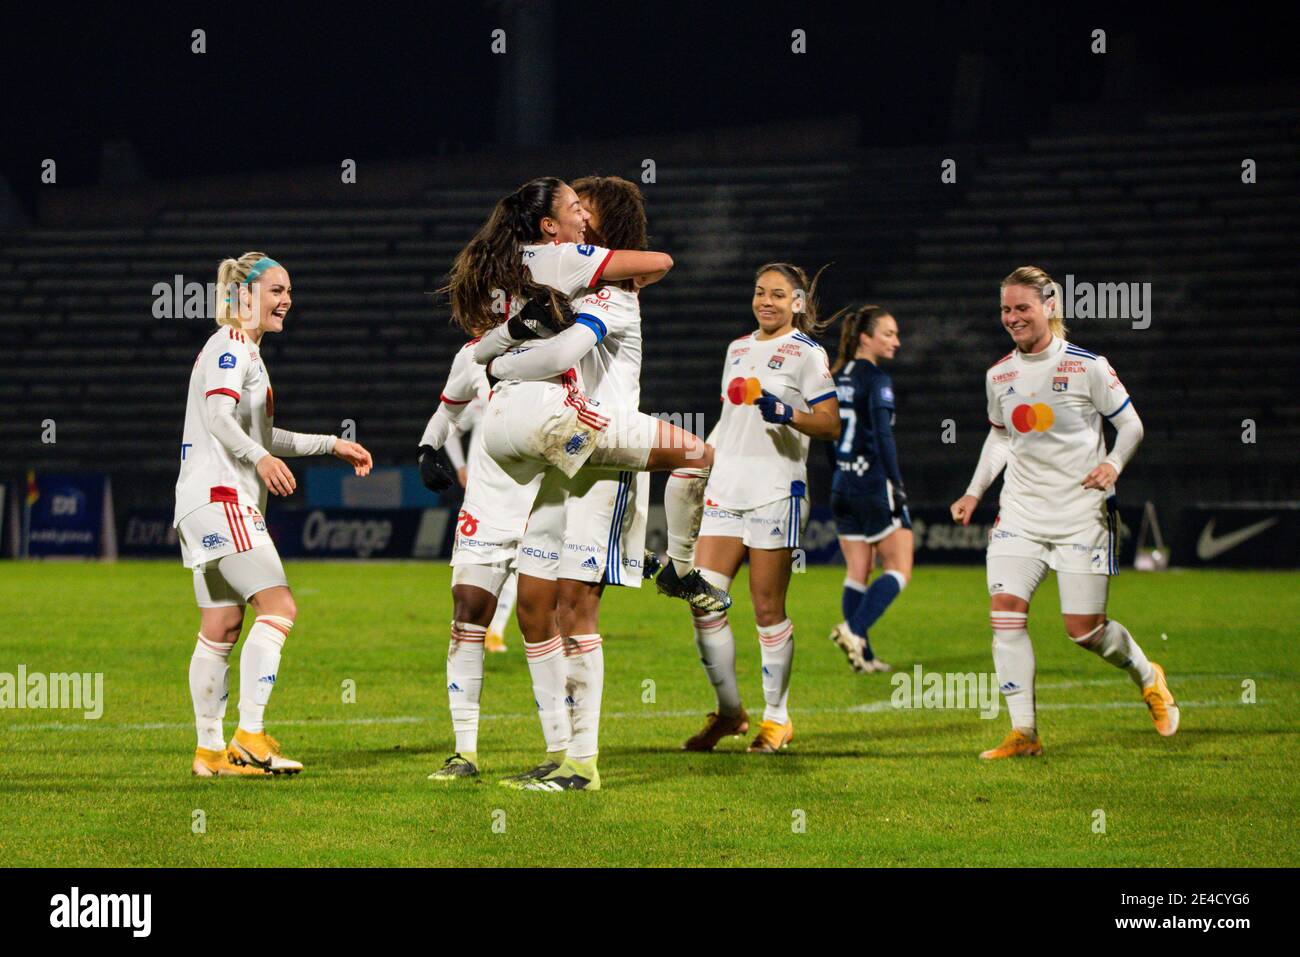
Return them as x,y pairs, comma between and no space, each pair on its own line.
1083,606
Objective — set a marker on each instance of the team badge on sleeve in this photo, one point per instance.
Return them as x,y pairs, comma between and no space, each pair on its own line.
227,360
586,249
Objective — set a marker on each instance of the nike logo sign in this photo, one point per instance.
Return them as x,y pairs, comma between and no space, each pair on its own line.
1208,546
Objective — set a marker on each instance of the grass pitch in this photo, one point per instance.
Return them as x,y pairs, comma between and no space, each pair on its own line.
864,783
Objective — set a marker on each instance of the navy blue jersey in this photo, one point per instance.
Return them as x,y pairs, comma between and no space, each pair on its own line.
865,457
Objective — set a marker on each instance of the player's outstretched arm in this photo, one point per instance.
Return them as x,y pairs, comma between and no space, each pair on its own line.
644,268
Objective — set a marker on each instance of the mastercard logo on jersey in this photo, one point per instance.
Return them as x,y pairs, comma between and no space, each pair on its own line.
1033,418
744,391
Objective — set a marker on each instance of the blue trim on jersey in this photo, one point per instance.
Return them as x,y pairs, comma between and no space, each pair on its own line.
1119,410
613,558
1112,559
1076,351
812,342
591,322
821,398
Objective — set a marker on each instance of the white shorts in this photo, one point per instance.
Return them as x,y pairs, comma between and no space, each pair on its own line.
1085,554
236,578
778,524
495,510
1017,566
541,424
588,528
218,529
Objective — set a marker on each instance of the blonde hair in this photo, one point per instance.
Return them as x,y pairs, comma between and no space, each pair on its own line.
1049,294
231,275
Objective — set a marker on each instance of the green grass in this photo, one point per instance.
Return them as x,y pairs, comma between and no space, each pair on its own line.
876,785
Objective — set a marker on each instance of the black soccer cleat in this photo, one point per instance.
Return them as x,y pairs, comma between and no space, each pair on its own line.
651,565
692,588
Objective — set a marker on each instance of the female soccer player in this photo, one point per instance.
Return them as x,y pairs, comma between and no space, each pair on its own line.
777,393
867,495
229,460
532,244
1046,402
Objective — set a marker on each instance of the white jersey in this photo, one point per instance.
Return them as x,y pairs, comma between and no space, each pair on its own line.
611,371
1051,405
758,462
229,364
568,268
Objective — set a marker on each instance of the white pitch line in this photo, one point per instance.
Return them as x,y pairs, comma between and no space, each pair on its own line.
871,707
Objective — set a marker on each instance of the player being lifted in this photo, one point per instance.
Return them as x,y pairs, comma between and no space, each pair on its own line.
592,526
867,497
230,458
531,244
1047,399
777,393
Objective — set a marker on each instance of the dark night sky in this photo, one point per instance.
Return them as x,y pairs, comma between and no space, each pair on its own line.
307,86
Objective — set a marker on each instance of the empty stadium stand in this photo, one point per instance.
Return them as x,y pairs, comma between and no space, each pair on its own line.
1160,203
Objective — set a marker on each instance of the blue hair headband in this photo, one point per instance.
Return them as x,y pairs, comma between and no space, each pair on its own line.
259,267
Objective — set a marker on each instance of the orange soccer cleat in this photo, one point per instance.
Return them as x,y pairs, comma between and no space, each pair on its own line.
717,727
215,764
1016,744
771,738
1160,702
262,750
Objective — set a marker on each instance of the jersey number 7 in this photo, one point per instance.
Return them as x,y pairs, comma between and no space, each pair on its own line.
848,416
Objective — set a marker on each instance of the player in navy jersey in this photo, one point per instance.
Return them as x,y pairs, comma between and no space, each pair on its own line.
867,497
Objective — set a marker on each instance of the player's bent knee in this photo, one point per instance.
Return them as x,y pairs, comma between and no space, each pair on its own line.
1083,629
1002,601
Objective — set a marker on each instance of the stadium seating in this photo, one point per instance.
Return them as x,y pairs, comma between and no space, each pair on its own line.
368,341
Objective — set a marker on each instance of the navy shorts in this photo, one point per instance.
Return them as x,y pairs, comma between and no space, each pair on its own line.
867,516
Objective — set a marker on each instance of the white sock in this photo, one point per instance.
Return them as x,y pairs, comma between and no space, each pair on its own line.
547,666
465,683
683,510
209,689
586,685
1113,642
1013,659
776,643
717,647
258,664
505,605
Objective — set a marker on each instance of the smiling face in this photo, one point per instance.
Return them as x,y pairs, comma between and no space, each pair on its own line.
1025,318
592,232
774,303
568,220
883,341
265,303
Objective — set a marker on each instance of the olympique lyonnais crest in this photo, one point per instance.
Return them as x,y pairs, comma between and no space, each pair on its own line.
1060,383
775,362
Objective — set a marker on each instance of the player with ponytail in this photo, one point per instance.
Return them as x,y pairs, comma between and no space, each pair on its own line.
229,459
867,497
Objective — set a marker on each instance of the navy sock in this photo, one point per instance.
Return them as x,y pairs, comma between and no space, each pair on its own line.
850,599
882,591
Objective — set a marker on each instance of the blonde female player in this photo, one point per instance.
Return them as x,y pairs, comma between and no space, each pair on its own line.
230,458
777,393
1047,399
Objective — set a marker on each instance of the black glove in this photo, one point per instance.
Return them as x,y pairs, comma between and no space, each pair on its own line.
435,476
537,315
900,503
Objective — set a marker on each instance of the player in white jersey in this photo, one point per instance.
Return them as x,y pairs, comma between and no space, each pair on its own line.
777,393
590,527
230,458
533,426
1047,400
